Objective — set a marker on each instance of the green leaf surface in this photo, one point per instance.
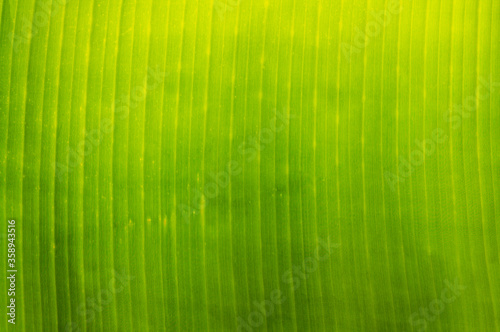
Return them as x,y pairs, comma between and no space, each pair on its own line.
250,165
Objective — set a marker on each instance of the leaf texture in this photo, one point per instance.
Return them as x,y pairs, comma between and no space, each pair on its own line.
251,165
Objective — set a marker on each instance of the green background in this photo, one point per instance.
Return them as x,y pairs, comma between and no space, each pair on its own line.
357,94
